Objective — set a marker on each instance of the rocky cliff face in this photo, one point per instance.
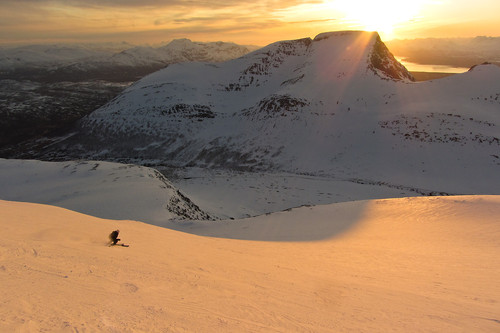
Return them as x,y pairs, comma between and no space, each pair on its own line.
383,63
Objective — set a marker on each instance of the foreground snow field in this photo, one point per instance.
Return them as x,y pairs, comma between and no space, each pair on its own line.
427,264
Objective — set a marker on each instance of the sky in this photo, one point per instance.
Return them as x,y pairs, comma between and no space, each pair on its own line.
257,22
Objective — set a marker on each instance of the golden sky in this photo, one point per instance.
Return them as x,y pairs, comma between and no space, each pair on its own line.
257,22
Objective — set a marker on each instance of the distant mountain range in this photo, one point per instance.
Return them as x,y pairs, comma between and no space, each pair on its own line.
110,62
455,52
338,105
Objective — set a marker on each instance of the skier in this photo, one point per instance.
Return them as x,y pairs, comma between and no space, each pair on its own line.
114,237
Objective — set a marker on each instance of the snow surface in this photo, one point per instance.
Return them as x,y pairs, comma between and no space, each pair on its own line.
405,265
238,194
102,189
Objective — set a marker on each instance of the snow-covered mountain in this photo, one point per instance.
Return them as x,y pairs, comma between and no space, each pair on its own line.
51,62
180,50
123,54
43,56
337,105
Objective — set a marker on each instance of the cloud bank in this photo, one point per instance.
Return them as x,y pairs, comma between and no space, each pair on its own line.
104,19
256,22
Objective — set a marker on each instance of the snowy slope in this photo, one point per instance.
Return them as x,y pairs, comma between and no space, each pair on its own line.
406,265
239,194
103,189
339,105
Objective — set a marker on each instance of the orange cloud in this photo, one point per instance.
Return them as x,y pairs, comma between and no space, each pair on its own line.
258,22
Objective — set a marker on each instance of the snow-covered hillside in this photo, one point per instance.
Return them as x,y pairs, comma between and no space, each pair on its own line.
102,189
405,265
337,105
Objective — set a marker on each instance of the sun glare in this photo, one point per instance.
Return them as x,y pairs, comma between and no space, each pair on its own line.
382,16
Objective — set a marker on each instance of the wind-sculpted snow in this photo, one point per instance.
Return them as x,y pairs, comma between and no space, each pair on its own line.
337,105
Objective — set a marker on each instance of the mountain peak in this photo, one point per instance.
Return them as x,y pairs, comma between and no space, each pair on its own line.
383,63
352,33
179,43
367,45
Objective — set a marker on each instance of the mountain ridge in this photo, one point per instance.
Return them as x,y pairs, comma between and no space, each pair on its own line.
84,62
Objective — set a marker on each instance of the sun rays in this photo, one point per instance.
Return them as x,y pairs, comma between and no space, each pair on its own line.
382,16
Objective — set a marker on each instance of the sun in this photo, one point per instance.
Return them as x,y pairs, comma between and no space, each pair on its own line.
382,15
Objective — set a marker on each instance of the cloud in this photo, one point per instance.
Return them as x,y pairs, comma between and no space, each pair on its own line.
315,21
158,20
182,19
210,4
42,20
